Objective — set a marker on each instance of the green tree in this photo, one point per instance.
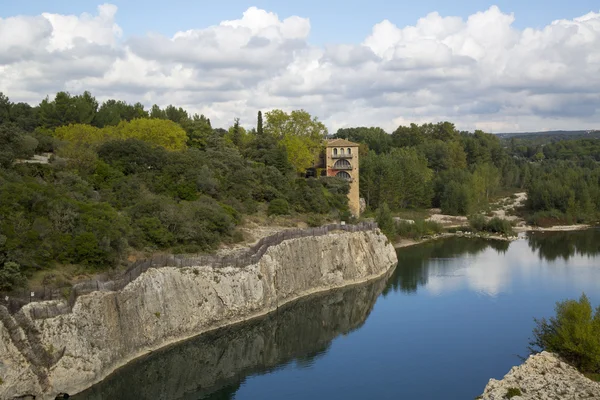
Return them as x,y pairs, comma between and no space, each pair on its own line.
573,333
385,221
259,124
301,135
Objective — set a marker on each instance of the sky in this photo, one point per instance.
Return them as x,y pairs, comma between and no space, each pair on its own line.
501,66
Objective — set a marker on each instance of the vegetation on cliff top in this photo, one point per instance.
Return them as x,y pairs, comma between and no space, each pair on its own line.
573,334
121,178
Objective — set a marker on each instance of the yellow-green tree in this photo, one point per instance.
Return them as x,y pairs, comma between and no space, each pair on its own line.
161,132
82,134
300,133
158,132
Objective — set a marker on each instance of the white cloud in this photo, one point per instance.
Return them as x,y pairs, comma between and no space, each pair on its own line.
479,72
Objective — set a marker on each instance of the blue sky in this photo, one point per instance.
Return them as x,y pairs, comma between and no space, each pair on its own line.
500,66
332,21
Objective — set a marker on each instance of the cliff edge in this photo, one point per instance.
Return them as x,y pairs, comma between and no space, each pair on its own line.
542,376
106,329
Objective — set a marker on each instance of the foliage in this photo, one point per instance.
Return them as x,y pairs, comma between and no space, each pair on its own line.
513,392
383,217
399,178
573,333
417,229
279,207
158,132
300,134
11,276
495,225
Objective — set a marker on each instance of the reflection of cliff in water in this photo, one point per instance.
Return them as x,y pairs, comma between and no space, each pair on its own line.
414,262
554,245
213,365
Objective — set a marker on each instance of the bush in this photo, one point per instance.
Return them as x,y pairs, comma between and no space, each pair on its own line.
278,207
314,220
11,276
384,219
513,392
418,229
497,225
573,334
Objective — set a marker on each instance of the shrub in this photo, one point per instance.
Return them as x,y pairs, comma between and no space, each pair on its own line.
513,392
418,229
384,219
573,333
278,207
11,276
477,222
314,220
494,225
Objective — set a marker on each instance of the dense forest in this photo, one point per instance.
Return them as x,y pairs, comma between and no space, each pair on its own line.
108,179
120,178
435,165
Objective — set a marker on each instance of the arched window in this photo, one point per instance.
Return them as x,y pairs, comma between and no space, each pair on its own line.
349,151
344,175
342,164
342,151
335,152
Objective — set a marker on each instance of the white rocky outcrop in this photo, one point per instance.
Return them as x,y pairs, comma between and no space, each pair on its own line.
543,377
105,330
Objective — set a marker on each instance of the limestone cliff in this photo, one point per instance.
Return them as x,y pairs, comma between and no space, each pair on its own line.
218,361
543,376
105,330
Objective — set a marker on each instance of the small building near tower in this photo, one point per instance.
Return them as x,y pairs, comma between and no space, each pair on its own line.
341,160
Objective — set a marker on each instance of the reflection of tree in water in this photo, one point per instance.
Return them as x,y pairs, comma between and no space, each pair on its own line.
214,365
554,245
413,262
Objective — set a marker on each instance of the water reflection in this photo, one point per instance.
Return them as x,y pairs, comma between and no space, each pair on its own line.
455,263
554,245
418,263
214,365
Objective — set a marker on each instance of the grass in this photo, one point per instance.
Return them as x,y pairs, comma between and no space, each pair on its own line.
414,214
593,376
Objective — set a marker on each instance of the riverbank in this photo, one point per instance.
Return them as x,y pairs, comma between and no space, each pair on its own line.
405,242
105,330
542,376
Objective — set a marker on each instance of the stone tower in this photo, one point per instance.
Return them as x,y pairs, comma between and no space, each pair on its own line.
341,160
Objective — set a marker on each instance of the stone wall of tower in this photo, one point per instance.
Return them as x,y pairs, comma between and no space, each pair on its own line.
353,195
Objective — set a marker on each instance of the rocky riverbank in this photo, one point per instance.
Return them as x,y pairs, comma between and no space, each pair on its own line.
542,377
105,330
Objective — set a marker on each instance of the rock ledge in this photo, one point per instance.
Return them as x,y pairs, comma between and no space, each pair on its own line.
543,376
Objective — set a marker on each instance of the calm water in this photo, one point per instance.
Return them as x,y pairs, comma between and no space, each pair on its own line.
454,314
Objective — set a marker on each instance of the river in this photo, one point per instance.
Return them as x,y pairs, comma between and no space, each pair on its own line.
455,313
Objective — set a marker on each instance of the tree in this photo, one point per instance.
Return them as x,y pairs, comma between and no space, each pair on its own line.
164,133
385,221
259,124
376,139
158,132
301,135
236,133
573,333
486,180
5,107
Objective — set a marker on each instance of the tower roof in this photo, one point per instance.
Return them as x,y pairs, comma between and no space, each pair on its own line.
341,143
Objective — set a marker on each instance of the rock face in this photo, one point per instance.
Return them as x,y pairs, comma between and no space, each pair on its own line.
105,330
543,377
218,361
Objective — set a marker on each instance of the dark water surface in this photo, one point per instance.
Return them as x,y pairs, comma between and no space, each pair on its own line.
454,314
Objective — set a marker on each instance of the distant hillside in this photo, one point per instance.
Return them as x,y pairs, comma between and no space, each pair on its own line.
554,135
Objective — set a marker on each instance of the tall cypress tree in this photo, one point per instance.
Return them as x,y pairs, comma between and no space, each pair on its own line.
259,125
